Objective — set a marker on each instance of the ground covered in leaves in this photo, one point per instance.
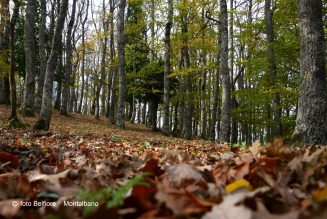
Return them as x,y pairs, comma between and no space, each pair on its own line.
83,168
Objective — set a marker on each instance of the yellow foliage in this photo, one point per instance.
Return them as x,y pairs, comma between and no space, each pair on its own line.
239,184
320,195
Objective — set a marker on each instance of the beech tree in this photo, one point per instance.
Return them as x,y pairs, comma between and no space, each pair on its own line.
43,122
311,121
30,59
121,65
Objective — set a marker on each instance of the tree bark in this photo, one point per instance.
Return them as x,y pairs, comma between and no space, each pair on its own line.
30,59
4,39
43,122
167,68
121,65
13,116
272,71
226,85
69,56
311,121
43,56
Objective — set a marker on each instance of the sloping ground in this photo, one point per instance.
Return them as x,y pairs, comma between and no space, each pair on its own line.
83,168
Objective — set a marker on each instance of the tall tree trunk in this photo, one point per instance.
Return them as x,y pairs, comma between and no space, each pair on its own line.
311,121
69,67
226,85
30,59
43,56
185,57
4,39
167,68
121,65
272,71
43,122
13,116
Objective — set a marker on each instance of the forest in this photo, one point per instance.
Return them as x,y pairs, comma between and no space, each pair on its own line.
163,109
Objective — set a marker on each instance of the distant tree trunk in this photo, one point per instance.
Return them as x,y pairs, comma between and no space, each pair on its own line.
121,65
225,126
4,39
13,116
272,70
213,120
311,121
167,68
83,58
43,122
144,113
30,59
69,67
59,75
43,56
153,109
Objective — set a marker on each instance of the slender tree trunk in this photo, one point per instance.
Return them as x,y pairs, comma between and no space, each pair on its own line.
43,122
59,75
226,85
13,116
167,68
311,121
272,71
69,56
43,56
121,65
185,56
30,59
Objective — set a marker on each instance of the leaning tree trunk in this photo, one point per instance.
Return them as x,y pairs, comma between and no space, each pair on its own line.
43,122
167,69
13,117
68,71
121,65
43,56
311,121
30,59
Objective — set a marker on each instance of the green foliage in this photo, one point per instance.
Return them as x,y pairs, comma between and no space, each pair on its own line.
111,196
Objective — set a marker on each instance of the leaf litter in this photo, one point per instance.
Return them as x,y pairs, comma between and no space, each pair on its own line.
134,173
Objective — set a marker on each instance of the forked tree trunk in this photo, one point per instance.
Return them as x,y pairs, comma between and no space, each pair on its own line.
43,122
68,71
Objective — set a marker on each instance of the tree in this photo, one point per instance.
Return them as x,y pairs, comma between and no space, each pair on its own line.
226,85
43,122
30,59
13,117
272,70
4,39
69,56
121,65
311,121
43,56
167,68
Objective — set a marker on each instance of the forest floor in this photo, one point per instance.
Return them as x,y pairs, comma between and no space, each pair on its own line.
85,168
